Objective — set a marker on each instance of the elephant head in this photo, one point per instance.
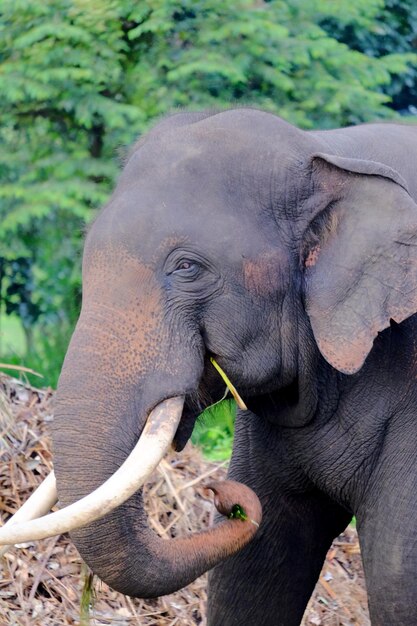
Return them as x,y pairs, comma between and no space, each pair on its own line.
237,236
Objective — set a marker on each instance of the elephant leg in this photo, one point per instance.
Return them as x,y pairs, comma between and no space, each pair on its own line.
387,528
271,580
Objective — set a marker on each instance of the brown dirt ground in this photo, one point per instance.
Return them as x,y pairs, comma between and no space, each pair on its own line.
41,583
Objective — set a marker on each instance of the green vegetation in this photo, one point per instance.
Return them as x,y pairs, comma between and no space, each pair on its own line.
81,79
213,432
12,338
87,596
238,512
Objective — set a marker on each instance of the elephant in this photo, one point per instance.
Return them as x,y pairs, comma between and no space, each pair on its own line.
290,257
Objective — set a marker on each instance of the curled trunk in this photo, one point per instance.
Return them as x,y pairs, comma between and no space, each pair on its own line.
132,559
95,428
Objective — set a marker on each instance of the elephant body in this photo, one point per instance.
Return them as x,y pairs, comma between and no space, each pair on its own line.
311,479
291,257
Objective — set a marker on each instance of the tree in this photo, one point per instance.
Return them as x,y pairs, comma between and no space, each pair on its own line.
273,55
64,112
393,30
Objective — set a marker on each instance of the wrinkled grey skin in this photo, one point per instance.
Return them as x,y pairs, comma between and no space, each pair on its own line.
292,257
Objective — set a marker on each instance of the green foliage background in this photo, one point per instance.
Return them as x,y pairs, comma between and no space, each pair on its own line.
81,79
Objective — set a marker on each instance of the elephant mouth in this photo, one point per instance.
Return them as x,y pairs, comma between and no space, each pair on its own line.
185,427
274,402
210,390
195,404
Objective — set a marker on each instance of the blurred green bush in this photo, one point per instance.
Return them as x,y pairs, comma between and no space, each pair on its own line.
213,432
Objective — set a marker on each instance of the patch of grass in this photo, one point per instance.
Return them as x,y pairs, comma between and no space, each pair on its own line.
12,337
214,430
87,596
50,348
46,357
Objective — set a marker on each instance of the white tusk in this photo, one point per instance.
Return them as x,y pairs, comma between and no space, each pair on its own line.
154,442
40,502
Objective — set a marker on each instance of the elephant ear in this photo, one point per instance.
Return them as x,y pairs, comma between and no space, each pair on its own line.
359,256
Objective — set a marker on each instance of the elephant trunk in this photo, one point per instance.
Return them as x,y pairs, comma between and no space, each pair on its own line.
96,426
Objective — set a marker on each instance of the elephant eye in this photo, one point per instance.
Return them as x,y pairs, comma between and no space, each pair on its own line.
185,265
187,268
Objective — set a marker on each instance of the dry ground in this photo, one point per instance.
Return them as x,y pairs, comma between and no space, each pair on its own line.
41,583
